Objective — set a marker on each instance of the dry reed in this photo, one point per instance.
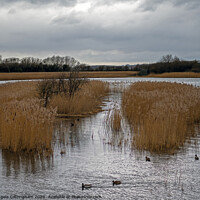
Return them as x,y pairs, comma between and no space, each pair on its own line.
50,75
28,127
176,75
25,126
161,114
113,119
85,101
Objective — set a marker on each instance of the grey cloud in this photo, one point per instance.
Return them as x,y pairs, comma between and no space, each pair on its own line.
39,2
88,38
70,18
12,11
153,4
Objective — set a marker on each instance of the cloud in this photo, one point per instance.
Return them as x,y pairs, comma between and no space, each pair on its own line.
101,31
39,2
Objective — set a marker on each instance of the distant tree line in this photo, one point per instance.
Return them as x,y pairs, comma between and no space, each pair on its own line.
169,63
30,64
53,64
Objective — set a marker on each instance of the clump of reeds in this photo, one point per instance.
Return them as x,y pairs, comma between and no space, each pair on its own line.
17,91
86,100
25,126
114,119
161,114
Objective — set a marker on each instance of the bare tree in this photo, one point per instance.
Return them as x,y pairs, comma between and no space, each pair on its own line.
63,85
74,81
169,58
46,88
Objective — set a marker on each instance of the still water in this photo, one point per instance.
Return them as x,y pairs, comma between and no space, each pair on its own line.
90,159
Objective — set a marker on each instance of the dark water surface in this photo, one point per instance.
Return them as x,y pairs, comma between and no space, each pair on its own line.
91,159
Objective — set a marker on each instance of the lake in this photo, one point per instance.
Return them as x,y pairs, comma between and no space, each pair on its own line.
91,159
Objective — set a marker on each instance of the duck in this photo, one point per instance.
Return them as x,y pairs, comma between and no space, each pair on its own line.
86,186
62,152
147,159
196,157
116,182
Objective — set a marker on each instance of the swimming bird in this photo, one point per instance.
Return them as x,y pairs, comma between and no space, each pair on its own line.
86,186
147,159
62,152
116,182
196,157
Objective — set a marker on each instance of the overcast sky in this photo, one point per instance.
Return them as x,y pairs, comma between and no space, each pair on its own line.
101,31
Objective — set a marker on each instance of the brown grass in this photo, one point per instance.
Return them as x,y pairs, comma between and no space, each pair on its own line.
25,126
116,120
176,75
86,101
161,114
17,91
49,75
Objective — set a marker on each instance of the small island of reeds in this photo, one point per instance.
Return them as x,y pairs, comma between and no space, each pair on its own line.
28,110
161,115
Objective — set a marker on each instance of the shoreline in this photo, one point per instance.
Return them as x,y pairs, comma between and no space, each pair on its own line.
99,74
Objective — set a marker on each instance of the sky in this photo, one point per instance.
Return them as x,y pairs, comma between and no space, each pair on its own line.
101,31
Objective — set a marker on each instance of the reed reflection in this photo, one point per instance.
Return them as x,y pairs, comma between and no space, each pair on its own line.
15,164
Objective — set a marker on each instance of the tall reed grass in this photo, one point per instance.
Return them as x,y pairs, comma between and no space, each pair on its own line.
86,100
161,114
25,126
50,75
113,119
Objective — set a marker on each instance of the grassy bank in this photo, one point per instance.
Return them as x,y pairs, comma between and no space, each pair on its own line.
27,126
161,114
176,75
105,74
48,75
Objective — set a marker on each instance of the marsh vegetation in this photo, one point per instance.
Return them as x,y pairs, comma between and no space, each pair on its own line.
28,109
161,115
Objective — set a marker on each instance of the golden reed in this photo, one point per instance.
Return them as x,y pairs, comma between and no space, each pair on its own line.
161,114
26,126
86,100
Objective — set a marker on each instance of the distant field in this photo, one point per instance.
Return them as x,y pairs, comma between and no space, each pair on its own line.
106,74
176,75
46,75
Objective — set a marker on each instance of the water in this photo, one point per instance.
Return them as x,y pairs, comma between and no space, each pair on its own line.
92,160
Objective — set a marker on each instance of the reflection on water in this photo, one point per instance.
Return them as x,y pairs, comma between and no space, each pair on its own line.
16,164
92,158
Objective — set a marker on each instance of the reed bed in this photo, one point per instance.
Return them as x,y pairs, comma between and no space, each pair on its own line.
50,75
25,126
176,75
113,119
17,91
85,101
161,114
116,120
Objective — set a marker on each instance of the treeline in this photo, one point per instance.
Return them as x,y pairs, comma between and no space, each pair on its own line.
30,64
169,63
53,64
